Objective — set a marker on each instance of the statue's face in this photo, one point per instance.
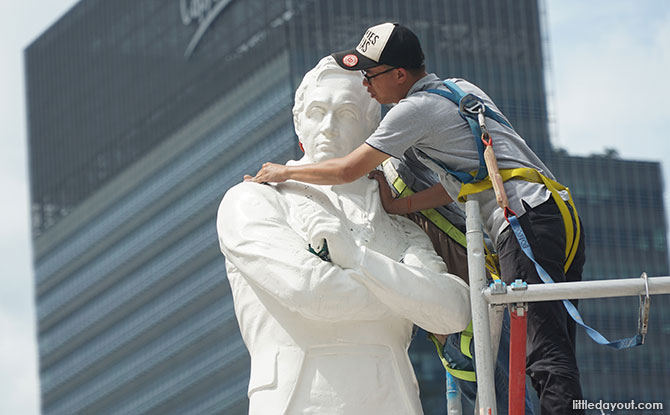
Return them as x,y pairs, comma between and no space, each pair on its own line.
333,123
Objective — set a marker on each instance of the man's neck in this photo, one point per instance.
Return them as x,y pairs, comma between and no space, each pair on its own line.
411,80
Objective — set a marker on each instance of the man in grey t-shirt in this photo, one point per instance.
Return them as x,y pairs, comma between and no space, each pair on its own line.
430,127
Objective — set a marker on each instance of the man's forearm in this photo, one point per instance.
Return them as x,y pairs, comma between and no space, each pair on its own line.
434,196
430,198
329,172
335,171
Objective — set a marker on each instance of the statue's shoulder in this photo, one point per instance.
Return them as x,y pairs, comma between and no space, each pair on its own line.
252,189
249,194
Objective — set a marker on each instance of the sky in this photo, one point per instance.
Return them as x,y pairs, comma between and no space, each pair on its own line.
607,82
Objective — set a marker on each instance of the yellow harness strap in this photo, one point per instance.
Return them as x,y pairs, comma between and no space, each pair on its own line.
460,374
431,214
492,263
531,175
466,339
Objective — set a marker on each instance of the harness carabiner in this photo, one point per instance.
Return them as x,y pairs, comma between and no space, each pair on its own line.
508,212
487,142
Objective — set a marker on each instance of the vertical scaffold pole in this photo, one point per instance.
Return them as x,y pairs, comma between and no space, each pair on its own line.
480,310
454,406
517,359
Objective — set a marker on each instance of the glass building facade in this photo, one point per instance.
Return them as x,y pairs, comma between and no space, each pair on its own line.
621,204
142,114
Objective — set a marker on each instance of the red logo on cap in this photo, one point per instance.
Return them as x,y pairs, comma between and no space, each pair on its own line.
350,60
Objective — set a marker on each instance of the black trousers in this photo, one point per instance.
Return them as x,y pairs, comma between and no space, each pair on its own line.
550,346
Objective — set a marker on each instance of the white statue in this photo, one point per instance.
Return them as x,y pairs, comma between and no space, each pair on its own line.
332,337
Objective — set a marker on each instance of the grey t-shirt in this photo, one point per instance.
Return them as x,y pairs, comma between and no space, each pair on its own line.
429,125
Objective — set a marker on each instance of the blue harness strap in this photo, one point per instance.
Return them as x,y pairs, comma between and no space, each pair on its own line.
572,310
455,94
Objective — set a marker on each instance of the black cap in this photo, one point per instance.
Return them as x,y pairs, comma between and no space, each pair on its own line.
385,44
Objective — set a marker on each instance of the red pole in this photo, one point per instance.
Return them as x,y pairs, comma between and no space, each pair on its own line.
517,360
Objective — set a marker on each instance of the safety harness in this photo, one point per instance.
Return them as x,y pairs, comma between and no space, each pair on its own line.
473,110
466,340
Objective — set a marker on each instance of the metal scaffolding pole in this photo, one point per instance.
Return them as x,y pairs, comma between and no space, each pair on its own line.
485,366
579,290
483,297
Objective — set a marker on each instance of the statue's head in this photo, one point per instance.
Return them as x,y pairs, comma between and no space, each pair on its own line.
333,113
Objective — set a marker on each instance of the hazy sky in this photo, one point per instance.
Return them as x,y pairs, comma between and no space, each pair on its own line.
608,88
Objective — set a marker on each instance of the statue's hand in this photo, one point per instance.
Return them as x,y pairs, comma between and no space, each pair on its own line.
342,246
389,202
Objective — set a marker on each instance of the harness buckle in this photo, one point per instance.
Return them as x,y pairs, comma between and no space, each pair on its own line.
471,104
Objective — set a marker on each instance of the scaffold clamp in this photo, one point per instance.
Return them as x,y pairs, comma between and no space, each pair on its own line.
498,287
519,285
518,309
643,317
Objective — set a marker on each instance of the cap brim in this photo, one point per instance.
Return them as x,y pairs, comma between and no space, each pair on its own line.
351,60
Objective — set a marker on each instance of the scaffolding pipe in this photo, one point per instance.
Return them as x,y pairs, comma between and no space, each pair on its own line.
480,311
580,290
454,405
496,315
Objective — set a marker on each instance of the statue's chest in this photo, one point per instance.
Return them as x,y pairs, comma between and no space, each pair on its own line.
364,218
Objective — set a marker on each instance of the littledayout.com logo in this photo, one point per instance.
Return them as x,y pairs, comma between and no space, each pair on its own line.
603,406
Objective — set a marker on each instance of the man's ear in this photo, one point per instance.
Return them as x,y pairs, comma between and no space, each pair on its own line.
401,75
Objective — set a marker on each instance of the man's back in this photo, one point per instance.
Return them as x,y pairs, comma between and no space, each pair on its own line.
430,127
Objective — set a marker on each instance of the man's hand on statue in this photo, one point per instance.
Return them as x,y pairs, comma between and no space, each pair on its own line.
270,172
442,338
342,246
389,202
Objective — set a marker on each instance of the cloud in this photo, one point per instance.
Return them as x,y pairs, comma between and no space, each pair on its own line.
19,394
610,85
18,366
18,352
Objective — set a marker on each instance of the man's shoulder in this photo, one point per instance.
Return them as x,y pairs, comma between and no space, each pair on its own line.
421,105
425,98
418,104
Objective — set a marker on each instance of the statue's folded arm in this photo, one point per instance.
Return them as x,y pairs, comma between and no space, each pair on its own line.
438,302
255,236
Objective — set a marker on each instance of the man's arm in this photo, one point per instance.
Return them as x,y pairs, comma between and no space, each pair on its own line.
330,172
255,236
430,198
